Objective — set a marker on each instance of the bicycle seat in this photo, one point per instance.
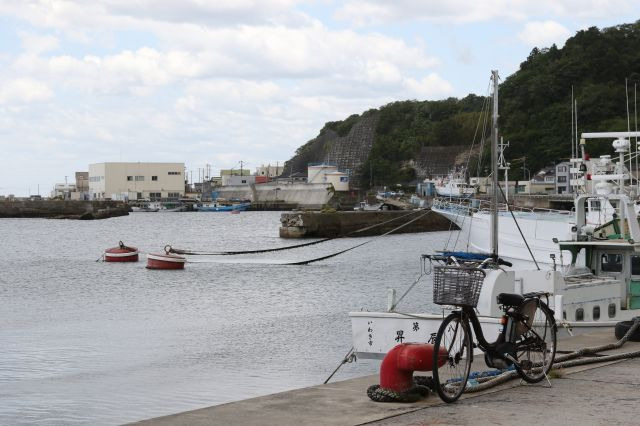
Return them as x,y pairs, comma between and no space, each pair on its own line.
510,299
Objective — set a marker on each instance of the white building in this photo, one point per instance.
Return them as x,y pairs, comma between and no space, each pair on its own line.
228,180
136,181
269,170
63,190
328,173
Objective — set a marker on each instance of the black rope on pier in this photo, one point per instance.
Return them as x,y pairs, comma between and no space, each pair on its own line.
233,253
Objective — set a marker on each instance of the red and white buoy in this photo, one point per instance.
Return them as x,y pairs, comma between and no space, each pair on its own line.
166,260
121,253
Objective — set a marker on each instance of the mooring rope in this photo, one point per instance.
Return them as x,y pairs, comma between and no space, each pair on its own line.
233,253
307,262
519,230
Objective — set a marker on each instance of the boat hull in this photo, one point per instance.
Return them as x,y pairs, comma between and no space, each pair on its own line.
376,333
222,208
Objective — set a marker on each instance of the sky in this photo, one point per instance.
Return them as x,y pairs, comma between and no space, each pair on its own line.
216,82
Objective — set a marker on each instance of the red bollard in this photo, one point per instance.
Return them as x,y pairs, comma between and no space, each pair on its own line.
396,371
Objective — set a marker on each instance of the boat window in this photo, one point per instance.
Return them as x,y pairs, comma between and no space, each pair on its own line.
595,205
579,314
635,265
596,313
611,262
612,310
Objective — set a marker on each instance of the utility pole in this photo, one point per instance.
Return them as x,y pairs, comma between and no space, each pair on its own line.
241,164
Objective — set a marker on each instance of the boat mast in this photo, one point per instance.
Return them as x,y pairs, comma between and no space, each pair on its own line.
494,167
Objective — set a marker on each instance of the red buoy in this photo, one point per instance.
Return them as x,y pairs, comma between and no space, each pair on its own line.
121,253
166,260
396,371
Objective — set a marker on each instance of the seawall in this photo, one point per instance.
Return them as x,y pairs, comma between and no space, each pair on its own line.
63,209
303,195
336,224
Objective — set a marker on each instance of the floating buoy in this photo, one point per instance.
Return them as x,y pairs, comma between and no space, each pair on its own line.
165,260
121,253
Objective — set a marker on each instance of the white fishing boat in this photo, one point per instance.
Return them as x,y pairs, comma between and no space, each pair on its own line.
539,226
454,185
598,286
146,208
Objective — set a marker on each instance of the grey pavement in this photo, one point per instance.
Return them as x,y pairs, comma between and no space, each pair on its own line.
586,395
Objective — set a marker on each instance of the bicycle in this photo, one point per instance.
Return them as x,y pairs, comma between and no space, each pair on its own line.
527,340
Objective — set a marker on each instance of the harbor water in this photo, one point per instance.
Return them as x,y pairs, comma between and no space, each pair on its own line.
106,343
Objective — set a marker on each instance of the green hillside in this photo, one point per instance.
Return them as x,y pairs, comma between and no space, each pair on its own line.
535,102
535,110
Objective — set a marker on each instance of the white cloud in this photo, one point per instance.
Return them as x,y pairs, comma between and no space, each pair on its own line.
36,44
544,34
431,86
368,12
24,90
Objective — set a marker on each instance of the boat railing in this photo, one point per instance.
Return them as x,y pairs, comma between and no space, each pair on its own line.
483,206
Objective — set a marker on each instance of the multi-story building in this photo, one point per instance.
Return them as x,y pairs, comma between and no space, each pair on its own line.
269,170
563,178
82,186
136,181
544,182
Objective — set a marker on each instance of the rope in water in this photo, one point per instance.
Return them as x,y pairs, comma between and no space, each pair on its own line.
232,253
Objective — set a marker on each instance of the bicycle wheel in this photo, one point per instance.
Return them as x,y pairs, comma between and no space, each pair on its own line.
452,357
536,347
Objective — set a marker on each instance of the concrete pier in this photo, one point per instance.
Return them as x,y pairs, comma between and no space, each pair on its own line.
604,393
335,224
63,209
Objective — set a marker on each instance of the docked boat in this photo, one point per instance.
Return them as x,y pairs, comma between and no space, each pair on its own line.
216,206
365,206
454,185
121,253
146,208
538,225
596,287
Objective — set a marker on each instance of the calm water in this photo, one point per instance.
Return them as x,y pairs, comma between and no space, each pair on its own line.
91,342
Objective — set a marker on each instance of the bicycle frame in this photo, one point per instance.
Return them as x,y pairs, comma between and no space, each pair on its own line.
470,314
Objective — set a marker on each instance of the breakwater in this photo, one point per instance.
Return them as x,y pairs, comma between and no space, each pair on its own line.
63,209
335,224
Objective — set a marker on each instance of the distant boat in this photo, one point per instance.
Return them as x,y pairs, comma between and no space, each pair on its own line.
454,185
147,207
364,206
216,206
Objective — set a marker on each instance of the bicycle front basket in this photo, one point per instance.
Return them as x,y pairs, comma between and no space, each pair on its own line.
457,285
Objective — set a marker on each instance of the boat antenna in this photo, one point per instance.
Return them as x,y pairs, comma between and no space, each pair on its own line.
573,145
494,168
635,113
626,93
